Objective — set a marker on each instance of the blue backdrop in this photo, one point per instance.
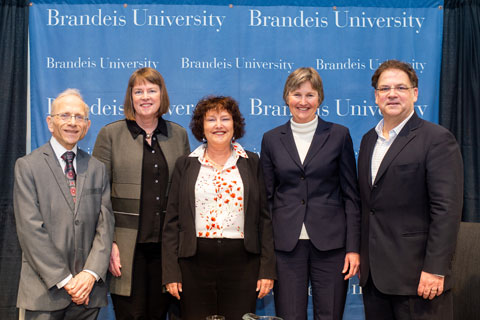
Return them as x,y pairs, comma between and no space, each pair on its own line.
245,51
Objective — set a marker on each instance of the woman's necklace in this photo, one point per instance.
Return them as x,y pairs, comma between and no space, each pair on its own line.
213,163
147,124
148,135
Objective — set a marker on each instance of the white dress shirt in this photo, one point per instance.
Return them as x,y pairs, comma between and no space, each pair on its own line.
383,144
59,151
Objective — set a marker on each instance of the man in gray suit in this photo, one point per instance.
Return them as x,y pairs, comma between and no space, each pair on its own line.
64,220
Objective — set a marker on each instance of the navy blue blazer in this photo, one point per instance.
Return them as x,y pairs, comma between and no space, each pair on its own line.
411,212
322,192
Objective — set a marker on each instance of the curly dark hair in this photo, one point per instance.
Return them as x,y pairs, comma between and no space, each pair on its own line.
395,64
218,103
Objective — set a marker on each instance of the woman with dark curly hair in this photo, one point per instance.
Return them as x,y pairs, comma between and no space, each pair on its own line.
217,242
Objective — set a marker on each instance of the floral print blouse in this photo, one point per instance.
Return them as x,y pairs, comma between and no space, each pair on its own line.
219,197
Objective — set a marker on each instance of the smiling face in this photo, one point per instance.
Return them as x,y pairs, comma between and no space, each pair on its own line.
303,103
146,100
395,105
68,133
218,128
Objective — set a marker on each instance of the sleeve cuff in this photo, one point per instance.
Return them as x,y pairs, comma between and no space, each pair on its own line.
62,283
93,274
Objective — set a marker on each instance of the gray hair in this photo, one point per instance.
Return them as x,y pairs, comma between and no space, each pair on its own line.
70,92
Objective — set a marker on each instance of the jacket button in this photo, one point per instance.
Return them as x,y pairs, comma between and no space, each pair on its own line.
372,212
77,222
303,201
302,178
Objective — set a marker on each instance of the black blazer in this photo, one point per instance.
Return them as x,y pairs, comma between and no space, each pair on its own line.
179,236
411,213
322,192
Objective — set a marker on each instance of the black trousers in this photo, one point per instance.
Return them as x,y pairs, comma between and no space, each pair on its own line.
380,306
72,312
324,271
220,279
147,301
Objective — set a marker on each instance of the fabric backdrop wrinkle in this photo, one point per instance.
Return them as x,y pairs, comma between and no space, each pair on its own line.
13,124
460,92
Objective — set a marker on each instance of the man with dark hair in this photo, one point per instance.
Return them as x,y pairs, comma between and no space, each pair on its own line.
411,186
64,220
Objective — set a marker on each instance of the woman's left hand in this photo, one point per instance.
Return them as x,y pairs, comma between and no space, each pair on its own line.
352,264
264,286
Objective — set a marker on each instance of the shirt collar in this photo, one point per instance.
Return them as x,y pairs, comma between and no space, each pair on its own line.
238,151
395,131
135,129
59,149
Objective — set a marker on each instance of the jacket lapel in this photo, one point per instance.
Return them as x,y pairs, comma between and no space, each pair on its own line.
59,175
319,138
289,143
243,169
367,155
192,175
82,165
404,137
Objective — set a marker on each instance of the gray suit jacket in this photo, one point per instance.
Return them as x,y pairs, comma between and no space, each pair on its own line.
59,237
123,158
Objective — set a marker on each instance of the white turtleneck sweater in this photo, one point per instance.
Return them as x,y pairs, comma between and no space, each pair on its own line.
303,136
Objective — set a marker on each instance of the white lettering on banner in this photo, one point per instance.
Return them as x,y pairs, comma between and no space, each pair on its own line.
101,109
356,289
345,108
181,109
343,65
97,20
117,63
239,63
243,63
257,108
98,108
76,63
188,63
357,64
344,20
417,65
105,63
257,19
142,17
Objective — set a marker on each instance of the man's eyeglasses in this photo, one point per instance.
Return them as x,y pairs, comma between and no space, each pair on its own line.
67,116
399,89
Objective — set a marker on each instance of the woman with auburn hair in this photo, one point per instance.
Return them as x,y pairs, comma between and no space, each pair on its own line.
140,153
